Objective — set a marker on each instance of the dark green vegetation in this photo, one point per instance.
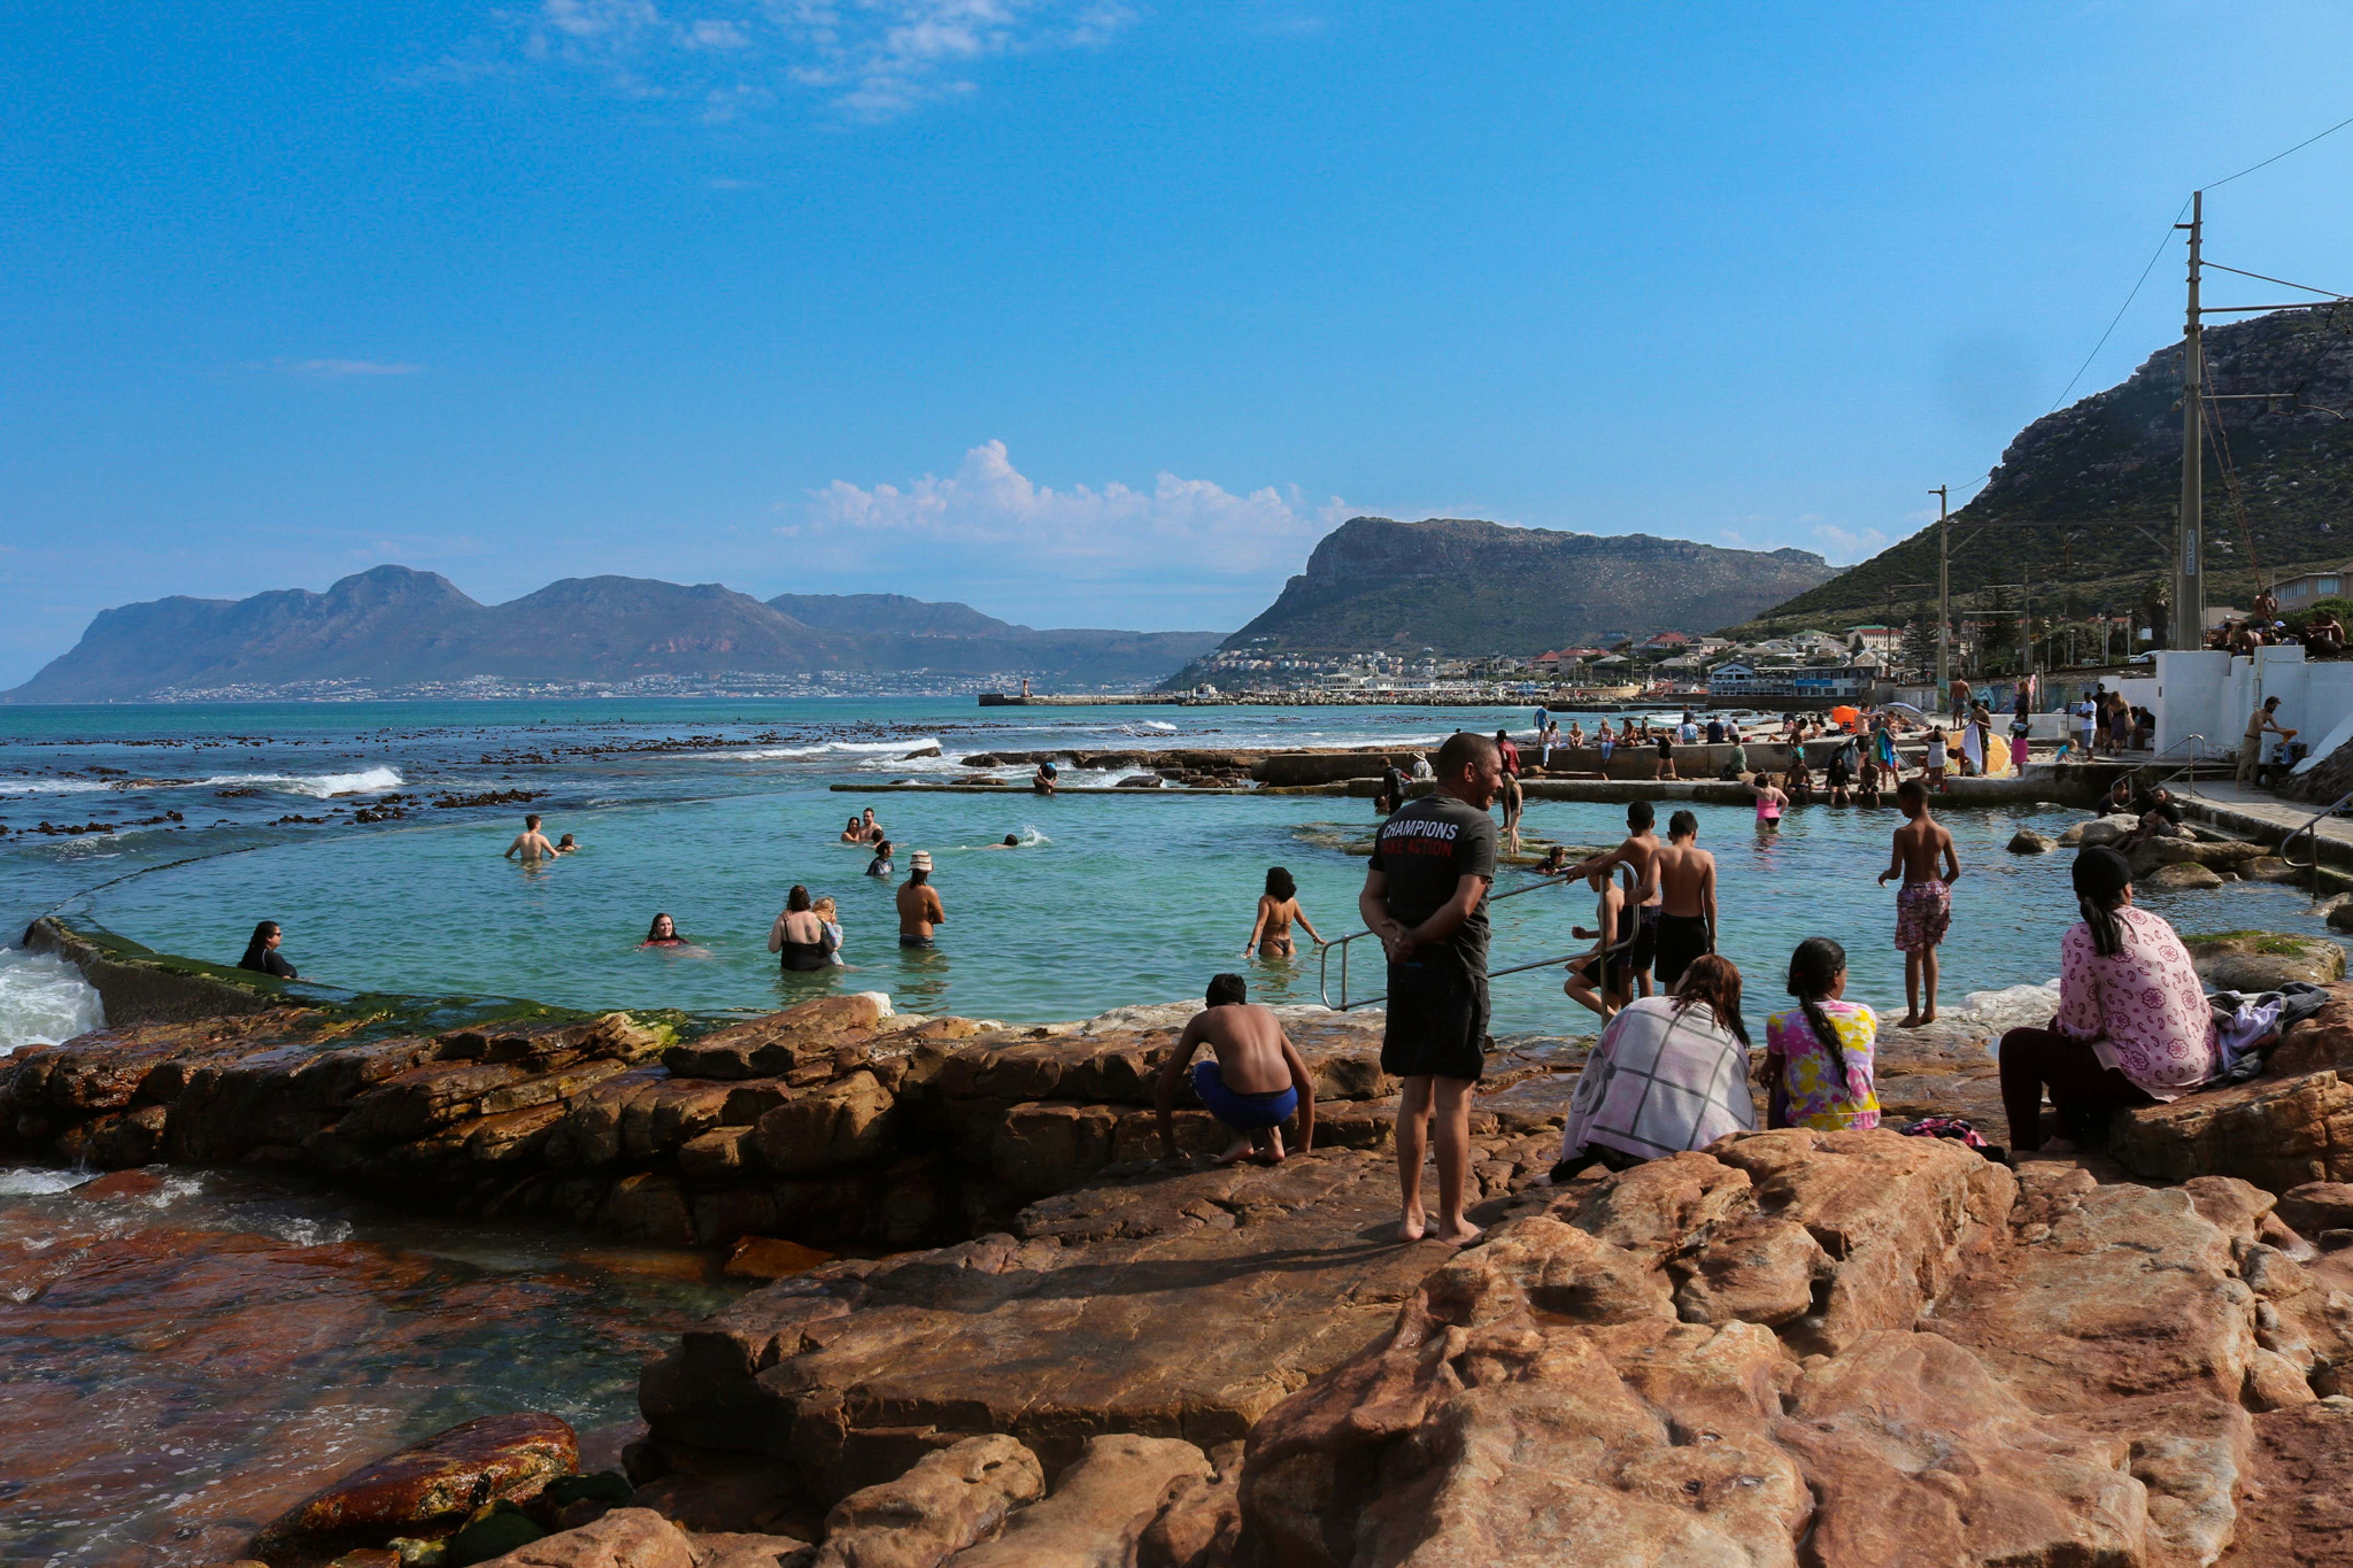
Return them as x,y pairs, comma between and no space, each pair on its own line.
391,627
2278,493
1466,589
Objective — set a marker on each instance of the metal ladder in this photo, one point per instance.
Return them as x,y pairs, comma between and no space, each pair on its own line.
2312,827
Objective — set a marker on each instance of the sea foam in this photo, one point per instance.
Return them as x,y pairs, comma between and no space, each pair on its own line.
44,999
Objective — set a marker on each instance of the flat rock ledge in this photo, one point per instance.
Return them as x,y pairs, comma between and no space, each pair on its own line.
1793,1348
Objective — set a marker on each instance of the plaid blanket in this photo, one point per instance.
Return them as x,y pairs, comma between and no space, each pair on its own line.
1661,1082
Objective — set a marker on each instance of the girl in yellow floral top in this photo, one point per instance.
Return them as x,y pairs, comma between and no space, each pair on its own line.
1817,1056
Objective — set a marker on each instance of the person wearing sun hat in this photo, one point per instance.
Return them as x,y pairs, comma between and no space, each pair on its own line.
919,903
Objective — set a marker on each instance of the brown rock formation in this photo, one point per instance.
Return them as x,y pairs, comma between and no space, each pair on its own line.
426,1488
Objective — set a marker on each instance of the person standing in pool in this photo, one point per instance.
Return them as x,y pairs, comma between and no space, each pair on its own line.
1686,900
854,831
1254,1086
881,865
1770,798
1425,895
1924,905
262,954
1641,852
920,909
1277,907
531,843
873,825
798,939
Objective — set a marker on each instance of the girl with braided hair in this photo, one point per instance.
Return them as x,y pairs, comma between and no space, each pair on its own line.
1818,1054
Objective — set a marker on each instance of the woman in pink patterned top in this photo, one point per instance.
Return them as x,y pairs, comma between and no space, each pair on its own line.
2133,1025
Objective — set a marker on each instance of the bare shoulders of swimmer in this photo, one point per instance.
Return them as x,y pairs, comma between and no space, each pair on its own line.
530,843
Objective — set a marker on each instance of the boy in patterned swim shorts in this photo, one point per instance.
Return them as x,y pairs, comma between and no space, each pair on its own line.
1924,905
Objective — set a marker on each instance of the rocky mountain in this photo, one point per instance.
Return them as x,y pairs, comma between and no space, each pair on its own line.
2278,485
392,627
1467,588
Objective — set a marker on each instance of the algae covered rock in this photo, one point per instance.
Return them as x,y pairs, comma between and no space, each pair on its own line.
433,1485
2257,961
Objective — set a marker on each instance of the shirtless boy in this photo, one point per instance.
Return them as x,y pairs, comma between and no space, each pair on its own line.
1253,1087
1641,852
1600,980
531,843
1686,900
1923,858
919,903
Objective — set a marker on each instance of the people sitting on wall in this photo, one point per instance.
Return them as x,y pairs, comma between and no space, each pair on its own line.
2133,1025
2324,635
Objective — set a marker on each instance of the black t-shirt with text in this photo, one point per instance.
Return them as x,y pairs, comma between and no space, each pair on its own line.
1425,849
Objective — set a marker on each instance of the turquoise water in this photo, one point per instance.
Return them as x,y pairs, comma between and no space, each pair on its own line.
1110,900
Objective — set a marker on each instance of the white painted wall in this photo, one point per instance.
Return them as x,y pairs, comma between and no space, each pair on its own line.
2211,694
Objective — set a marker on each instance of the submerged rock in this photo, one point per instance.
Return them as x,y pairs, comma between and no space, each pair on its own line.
2026,841
435,1484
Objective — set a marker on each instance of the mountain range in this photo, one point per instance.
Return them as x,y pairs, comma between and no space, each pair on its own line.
2278,486
392,627
1466,588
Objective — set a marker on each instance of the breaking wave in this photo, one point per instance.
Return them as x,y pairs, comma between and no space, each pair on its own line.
44,999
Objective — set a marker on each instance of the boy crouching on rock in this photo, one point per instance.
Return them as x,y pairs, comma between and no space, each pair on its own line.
1253,1087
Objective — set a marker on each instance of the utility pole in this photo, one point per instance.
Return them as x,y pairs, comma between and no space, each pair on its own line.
1944,599
2189,578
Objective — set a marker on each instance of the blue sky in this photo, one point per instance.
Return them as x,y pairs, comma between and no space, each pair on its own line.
1089,312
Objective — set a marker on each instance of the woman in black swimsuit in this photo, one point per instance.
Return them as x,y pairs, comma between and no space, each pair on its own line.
798,937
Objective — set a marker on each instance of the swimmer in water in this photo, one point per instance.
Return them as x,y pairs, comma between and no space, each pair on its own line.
663,932
854,831
881,865
1010,841
531,843
1277,907
1770,799
872,824
567,845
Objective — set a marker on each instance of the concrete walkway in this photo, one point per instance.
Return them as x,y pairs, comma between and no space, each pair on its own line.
2263,817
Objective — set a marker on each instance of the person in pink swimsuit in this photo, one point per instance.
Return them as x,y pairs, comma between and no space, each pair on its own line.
1770,802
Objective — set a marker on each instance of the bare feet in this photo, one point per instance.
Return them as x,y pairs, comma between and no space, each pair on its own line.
1909,1021
1234,1151
1416,1226
1462,1233
1928,1018
1271,1152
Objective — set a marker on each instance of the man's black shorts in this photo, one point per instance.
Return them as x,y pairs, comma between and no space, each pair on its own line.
1644,950
1437,1022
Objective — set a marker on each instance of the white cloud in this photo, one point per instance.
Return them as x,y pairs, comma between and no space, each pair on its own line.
1852,544
334,369
1176,528
1733,536
864,59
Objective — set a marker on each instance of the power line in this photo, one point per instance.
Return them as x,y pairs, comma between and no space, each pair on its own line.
2277,157
2161,244
2218,267
2122,309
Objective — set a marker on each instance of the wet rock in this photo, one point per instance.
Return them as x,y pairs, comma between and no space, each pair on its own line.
2272,868
2026,841
2254,961
650,1207
2188,877
770,1258
1099,1508
2102,830
436,1483
625,1537
947,1501
2224,856
493,1531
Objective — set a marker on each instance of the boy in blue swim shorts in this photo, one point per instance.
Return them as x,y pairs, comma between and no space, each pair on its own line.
1254,1086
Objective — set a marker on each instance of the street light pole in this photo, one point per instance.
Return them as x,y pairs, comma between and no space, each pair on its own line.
2189,581
1944,599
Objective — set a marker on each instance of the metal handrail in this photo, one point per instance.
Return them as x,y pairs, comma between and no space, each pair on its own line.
2312,826
2190,767
1323,959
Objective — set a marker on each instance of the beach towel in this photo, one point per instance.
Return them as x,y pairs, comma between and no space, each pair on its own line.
1661,1082
1973,747
1882,746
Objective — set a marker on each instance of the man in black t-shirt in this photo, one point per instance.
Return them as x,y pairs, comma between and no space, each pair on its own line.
1392,789
1426,897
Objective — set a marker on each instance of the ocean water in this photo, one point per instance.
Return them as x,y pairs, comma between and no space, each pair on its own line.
710,811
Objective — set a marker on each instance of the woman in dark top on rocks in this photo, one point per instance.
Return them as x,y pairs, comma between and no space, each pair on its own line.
798,936
262,954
